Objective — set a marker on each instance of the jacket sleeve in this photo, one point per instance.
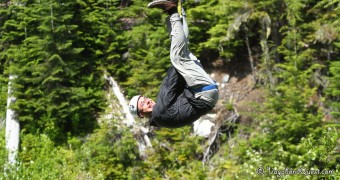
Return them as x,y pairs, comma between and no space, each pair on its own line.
172,86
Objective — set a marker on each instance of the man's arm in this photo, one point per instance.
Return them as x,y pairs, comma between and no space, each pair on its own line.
172,86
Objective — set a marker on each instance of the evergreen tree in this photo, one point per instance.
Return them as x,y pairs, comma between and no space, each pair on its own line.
295,135
148,50
59,87
333,89
3,79
326,37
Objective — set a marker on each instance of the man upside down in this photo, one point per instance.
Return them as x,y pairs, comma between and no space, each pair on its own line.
187,91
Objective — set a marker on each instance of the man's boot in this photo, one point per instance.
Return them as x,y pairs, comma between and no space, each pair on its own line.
169,6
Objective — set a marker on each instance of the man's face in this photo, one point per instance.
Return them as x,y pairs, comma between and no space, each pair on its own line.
145,106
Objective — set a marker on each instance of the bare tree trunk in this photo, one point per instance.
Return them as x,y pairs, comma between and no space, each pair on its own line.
251,60
124,3
52,22
268,64
12,134
12,126
129,121
140,132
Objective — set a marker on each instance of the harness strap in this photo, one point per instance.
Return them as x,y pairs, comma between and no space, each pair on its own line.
205,88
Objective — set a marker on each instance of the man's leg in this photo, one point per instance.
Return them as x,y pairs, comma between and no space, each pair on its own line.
186,32
186,63
180,56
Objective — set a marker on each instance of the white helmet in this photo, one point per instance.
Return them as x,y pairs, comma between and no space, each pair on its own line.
133,106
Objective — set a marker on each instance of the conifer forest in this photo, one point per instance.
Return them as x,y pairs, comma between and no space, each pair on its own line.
277,64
